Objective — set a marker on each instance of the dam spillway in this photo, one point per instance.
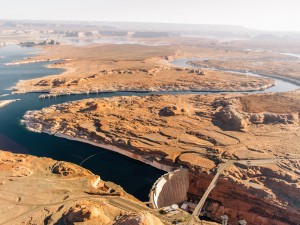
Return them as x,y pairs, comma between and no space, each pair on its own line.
171,188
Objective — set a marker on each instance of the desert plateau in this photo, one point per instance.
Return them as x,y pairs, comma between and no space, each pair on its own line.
135,68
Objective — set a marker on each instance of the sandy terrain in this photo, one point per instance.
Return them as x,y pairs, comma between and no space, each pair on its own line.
109,68
44,191
199,132
6,102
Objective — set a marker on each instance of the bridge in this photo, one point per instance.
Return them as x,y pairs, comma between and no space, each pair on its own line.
213,183
222,167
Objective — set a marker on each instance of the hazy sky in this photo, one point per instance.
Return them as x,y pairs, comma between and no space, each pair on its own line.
262,14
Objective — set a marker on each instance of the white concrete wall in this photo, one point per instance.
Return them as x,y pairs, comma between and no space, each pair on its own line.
171,188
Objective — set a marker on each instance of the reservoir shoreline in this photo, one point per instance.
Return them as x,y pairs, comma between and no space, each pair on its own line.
109,147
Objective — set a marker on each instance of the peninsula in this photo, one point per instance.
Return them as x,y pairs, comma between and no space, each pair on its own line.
6,102
137,68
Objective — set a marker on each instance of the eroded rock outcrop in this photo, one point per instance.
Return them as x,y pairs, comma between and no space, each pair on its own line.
234,114
142,218
88,213
232,118
69,169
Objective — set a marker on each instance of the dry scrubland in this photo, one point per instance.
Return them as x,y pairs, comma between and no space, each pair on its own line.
200,132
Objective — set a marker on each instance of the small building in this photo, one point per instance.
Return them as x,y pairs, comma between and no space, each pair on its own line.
184,206
242,222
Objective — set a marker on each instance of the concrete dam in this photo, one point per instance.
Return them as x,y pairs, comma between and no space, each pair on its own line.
171,188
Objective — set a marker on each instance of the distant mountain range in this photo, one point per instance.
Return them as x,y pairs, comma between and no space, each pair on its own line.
204,30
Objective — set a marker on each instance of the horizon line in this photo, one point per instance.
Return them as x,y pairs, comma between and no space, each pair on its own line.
152,22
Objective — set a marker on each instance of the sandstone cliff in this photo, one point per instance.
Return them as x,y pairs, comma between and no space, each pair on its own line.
238,113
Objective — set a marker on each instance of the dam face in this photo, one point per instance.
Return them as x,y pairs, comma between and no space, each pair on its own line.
171,188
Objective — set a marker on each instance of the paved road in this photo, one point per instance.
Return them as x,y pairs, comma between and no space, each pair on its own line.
213,183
